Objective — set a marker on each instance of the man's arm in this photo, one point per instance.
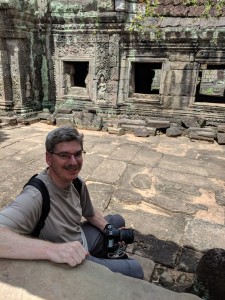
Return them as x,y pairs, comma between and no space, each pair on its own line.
16,246
97,220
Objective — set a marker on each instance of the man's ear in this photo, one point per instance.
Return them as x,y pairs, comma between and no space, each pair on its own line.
48,158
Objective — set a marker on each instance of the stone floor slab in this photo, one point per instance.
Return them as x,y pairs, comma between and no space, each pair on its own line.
109,171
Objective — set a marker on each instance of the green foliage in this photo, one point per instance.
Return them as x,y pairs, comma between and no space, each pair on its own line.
191,2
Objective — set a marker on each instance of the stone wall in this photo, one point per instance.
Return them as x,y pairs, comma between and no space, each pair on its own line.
66,55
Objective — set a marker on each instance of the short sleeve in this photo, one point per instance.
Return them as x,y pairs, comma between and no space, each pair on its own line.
22,214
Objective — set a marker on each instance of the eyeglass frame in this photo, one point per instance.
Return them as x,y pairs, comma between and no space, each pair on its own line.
67,155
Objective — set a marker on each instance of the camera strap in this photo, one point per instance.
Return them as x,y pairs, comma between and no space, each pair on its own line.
119,253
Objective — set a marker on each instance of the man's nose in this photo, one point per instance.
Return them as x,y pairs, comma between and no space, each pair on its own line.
73,159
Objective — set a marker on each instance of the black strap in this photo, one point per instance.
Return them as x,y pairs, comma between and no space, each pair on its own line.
39,184
78,185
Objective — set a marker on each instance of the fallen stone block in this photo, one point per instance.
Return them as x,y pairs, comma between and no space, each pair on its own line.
204,129
30,280
131,122
157,124
130,128
174,131
43,115
141,132
152,131
190,121
221,138
115,130
203,136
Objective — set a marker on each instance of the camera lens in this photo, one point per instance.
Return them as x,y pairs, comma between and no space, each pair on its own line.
127,235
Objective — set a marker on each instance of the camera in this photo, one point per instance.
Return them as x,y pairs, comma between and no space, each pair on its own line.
114,236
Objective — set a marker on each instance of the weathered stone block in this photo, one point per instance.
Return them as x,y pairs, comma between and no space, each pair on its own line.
64,110
9,120
190,121
221,138
62,121
221,128
206,133
204,136
151,249
201,121
151,131
29,121
115,130
174,131
97,123
131,128
51,120
43,115
157,123
141,132
132,122
188,260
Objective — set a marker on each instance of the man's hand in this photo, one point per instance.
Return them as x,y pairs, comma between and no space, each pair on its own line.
72,253
16,246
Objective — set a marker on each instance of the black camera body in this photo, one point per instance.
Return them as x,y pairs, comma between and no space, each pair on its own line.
114,236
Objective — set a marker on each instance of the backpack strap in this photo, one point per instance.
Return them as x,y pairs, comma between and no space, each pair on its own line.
39,184
78,185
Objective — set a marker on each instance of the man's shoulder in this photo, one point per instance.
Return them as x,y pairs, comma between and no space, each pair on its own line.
43,176
37,183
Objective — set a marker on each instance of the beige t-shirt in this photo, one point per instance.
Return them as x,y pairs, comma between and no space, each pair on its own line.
63,221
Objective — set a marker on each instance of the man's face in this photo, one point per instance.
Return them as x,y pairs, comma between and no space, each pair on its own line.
65,163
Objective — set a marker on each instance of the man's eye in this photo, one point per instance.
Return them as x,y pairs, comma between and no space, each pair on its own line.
78,154
64,155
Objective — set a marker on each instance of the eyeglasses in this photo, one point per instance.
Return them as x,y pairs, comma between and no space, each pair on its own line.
67,155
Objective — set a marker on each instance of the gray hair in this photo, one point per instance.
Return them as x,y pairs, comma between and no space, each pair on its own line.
62,134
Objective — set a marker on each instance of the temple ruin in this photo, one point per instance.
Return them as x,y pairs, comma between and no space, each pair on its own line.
64,58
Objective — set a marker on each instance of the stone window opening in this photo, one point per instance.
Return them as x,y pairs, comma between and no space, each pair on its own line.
76,75
210,86
146,77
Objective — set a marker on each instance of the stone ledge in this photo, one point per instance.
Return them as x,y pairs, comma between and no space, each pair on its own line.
30,280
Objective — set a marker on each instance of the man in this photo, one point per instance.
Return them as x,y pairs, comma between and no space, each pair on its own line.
63,239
